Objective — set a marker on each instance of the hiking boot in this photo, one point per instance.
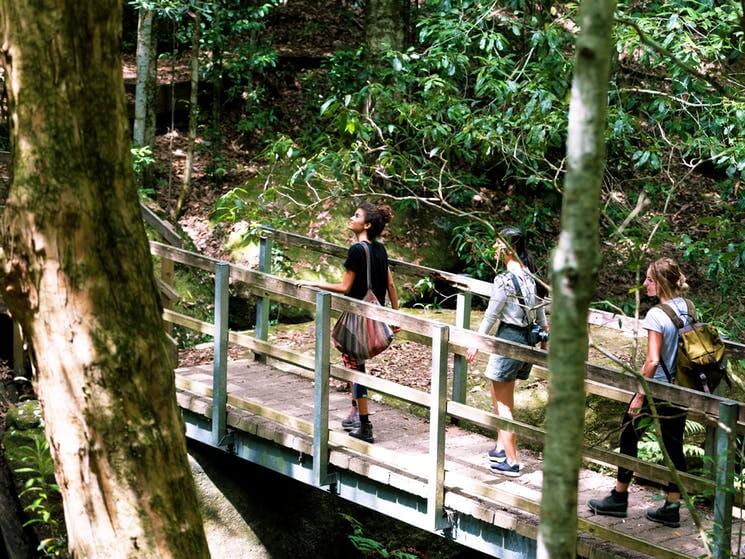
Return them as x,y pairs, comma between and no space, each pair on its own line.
614,504
668,514
506,469
364,433
497,455
351,422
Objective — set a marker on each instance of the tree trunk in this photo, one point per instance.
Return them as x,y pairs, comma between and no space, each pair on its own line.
217,68
575,265
78,275
146,87
387,25
146,64
193,115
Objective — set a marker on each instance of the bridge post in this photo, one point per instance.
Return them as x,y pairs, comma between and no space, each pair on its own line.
321,390
725,460
262,304
220,363
460,366
437,416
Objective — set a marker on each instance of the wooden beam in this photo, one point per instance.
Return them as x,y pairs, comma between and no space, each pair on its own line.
166,231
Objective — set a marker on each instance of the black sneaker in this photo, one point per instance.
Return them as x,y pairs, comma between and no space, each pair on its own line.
668,515
351,422
364,433
497,455
614,504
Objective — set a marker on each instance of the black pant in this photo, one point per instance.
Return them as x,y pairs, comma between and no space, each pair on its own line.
672,421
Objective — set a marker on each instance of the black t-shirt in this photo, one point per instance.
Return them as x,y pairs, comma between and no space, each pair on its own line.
357,263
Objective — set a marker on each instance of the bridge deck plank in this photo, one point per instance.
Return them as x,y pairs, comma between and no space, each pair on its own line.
405,434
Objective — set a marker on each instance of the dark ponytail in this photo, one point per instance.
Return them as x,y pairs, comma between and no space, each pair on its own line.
515,238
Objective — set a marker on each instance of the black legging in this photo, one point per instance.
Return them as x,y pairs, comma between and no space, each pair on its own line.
672,421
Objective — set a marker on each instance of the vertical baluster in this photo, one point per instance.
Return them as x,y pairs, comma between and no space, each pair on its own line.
262,304
460,366
438,403
166,275
220,363
725,460
321,389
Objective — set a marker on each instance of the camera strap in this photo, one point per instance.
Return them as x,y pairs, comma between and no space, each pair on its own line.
519,293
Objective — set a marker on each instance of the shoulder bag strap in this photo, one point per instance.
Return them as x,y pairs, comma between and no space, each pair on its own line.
519,293
367,256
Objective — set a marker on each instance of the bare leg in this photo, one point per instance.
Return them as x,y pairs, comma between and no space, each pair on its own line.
362,405
503,401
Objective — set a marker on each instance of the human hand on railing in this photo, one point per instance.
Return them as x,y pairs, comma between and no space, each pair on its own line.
396,329
471,354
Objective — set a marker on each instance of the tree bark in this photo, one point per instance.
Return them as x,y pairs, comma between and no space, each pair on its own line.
193,114
146,63
575,265
387,25
78,275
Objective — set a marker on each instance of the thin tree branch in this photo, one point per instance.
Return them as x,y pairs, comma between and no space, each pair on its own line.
655,46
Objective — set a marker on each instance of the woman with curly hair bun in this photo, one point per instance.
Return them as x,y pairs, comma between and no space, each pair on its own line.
367,223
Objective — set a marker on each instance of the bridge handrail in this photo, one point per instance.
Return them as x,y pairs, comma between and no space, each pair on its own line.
482,288
473,415
289,291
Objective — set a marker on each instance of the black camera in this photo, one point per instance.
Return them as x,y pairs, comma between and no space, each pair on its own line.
536,335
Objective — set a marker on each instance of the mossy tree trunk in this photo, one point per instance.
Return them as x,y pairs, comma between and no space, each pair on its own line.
574,270
146,86
77,274
387,25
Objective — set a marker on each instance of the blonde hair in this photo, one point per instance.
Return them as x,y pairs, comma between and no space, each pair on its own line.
670,280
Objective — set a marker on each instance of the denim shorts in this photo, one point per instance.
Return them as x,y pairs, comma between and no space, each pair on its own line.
506,369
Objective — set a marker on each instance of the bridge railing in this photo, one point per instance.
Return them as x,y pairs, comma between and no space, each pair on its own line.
443,339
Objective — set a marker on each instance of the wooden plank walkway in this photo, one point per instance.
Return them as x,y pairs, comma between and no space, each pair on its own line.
400,452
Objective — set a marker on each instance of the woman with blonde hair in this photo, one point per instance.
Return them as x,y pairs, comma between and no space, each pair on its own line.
665,281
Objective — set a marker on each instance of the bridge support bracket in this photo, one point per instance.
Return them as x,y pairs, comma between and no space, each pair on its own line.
332,482
227,442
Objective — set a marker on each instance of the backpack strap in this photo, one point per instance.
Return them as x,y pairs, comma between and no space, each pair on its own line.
671,314
691,308
678,323
520,296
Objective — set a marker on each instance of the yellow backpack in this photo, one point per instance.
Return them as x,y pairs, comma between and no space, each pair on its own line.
700,361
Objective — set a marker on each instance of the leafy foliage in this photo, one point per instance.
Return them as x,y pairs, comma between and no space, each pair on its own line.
370,547
41,495
471,120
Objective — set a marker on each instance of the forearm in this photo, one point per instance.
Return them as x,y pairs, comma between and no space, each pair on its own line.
393,296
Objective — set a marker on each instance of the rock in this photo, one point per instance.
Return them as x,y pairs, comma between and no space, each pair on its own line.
24,416
228,534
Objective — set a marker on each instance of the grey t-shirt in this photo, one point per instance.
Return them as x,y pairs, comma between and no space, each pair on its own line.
657,321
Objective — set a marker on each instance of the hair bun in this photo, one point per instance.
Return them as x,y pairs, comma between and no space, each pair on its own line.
682,284
386,213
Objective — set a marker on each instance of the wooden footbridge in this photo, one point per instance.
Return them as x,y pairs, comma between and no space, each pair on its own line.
426,467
